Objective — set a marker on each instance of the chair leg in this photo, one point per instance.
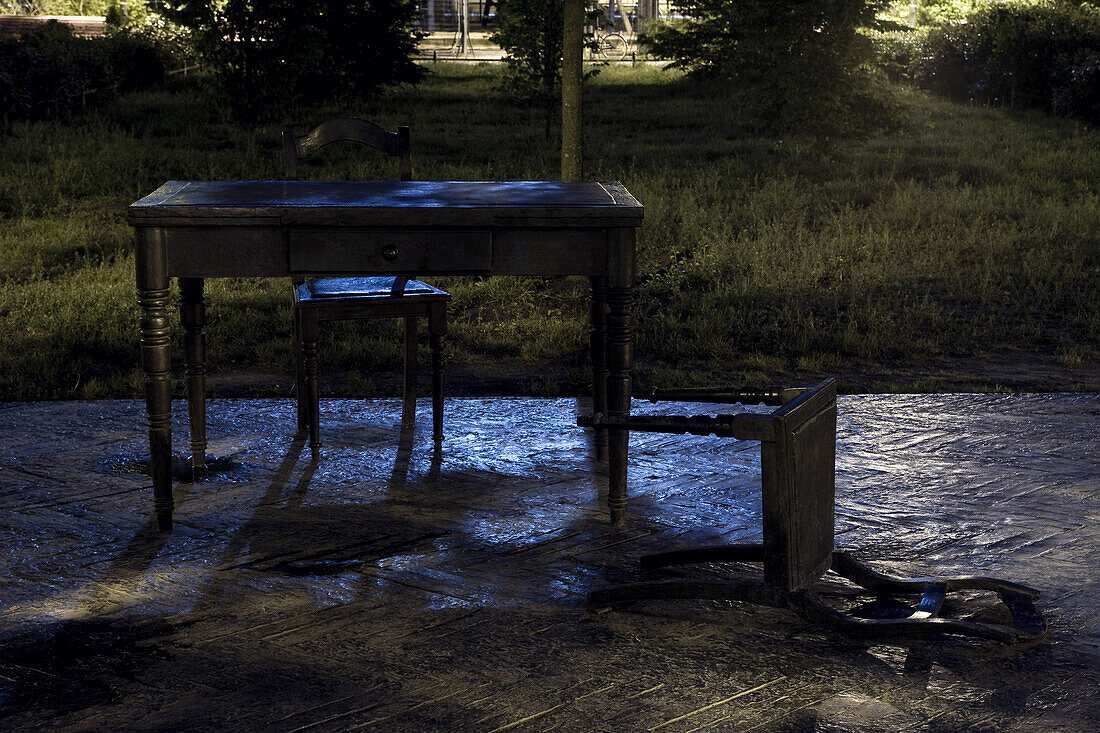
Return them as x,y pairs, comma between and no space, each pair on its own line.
310,328
1027,622
725,553
598,345
846,565
193,318
408,404
300,364
437,331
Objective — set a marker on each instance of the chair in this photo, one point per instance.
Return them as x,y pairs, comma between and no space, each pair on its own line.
798,446
363,297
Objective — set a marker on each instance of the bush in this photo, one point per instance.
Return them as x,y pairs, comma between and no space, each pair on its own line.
267,56
942,12
897,52
49,72
1021,55
1078,93
530,32
368,45
802,64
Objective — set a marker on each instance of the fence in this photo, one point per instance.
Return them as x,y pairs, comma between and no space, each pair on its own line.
82,25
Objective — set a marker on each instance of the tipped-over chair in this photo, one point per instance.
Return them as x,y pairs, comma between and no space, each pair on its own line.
349,298
798,447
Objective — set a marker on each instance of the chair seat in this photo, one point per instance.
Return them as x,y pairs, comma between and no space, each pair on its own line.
362,287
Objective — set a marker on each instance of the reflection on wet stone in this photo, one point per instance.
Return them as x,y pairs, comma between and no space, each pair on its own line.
216,468
386,585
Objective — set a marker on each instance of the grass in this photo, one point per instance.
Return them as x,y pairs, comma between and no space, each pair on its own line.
961,251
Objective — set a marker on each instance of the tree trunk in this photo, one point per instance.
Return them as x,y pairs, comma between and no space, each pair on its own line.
571,75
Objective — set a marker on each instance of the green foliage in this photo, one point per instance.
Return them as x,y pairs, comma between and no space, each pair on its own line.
967,243
368,44
49,72
45,72
1044,55
267,56
530,32
63,7
898,51
257,52
943,12
797,64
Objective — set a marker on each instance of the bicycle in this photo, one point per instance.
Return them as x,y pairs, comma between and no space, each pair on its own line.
609,45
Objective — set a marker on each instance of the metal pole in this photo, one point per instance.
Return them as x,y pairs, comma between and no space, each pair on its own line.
464,26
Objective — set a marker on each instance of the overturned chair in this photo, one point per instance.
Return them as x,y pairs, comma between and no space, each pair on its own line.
798,450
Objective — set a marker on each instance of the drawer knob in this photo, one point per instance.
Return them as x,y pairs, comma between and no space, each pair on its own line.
390,253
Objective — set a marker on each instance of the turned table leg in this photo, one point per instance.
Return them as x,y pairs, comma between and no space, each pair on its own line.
408,391
598,341
620,357
152,290
193,318
437,333
310,333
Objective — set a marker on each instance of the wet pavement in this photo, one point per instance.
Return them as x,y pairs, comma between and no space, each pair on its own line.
392,587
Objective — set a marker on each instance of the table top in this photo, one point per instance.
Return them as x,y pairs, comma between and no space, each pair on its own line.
468,203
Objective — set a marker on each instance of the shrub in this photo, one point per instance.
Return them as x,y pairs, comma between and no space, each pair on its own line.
530,32
1021,55
897,51
942,12
266,56
46,72
368,44
49,72
1078,93
801,64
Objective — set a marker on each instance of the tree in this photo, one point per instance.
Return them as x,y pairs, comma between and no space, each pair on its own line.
266,56
367,45
796,63
531,32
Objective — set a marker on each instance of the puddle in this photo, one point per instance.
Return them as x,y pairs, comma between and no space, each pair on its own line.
225,469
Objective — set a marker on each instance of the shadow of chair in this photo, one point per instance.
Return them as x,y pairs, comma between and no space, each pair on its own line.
798,447
349,298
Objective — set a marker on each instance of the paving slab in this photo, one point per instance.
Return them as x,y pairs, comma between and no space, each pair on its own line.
386,585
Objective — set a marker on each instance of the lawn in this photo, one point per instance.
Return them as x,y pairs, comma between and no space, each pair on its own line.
960,251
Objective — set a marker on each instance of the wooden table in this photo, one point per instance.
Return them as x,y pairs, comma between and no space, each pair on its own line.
201,229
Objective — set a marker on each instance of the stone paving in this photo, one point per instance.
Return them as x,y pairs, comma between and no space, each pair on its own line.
388,586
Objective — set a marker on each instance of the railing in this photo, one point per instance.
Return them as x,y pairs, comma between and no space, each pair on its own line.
82,25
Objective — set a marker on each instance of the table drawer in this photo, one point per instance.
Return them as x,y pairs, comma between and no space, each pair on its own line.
363,251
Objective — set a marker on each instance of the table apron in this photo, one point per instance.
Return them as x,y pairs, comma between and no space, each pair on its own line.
279,251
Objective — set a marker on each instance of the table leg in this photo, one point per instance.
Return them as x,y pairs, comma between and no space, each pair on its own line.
437,333
193,318
408,392
310,333
598,340
152,290
620,357
300,365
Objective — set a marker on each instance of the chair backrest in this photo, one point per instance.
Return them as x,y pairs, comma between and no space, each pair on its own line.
348,129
